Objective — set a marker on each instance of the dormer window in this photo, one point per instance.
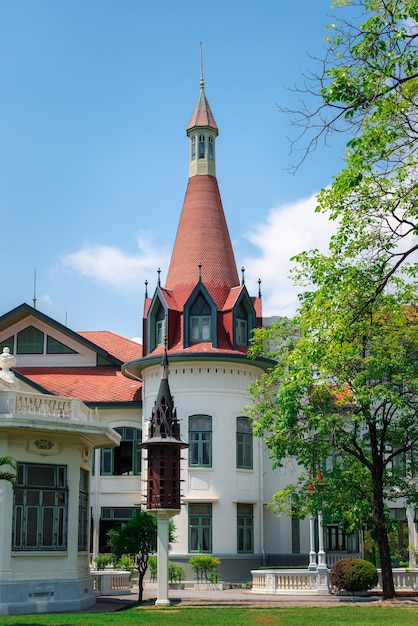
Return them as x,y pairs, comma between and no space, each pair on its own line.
193,147
210,148
241,326
200,320
202,146
159,325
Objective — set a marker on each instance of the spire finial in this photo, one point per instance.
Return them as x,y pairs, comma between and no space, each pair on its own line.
34,289
146,289
259,287
202,82
242,273
159,272
200,271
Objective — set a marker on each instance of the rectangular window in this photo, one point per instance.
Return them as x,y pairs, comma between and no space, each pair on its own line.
200,328
83,509
295,534
200,527
210,148
124,460
245,528
193,148
41,508
241,332
201,146
159,332
244,443
200,441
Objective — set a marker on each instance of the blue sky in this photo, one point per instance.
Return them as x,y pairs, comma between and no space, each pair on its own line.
95,99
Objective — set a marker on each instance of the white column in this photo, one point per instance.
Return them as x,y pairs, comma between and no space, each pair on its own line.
321,552
162,556
312,552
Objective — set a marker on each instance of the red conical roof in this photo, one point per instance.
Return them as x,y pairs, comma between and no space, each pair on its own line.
202,114
202,237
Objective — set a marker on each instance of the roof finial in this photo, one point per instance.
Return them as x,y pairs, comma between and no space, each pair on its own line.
159,281
259,287
202,82
34,289
242,273
200,271
146,289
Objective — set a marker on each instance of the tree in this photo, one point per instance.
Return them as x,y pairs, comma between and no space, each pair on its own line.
137,539
343,397
7,475
367,87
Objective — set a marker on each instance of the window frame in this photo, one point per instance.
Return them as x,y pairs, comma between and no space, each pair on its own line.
200,533
108,455
200,442
40,509
245,528
244,444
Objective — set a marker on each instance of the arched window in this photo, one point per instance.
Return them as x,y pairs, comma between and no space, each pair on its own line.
244,443
193,147
200,441
159,325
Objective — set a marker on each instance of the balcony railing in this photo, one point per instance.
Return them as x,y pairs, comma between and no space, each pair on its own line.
44,406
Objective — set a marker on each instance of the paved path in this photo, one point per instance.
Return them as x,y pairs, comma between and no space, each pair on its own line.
234,597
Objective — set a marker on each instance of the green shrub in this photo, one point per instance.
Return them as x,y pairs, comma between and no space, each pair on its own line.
205,567
125,563
153,568
176,573
353,575
102,561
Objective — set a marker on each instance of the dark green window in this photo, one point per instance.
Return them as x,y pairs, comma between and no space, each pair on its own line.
245,528
83,510
124,460
30,341
244,443
53,346
200,527
295,534
200,441
7,343
41,508
201,146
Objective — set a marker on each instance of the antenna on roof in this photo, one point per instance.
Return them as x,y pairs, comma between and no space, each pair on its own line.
34,288
202,82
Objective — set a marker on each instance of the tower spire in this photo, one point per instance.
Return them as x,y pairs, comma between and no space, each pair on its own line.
202,82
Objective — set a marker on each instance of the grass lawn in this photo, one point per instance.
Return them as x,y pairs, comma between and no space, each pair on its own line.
228,616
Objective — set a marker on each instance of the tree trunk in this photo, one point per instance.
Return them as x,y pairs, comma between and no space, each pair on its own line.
388,586
140,585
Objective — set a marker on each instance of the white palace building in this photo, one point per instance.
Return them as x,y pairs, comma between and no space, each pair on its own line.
75,406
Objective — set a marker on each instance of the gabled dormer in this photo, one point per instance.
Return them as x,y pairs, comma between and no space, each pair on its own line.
200,318
156,321
243,319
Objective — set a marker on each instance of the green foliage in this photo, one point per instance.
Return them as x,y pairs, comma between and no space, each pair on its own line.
353,575
102,561
205,567
7,475
176,572
153,568
125,563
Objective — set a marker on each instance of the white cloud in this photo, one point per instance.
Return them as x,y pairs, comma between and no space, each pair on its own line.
288,230
115,268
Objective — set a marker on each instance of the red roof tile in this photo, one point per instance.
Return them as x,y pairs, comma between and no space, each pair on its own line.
119,347
202,237
89,384
202,114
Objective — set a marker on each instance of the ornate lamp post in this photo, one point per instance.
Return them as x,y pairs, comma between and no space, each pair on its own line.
163,447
